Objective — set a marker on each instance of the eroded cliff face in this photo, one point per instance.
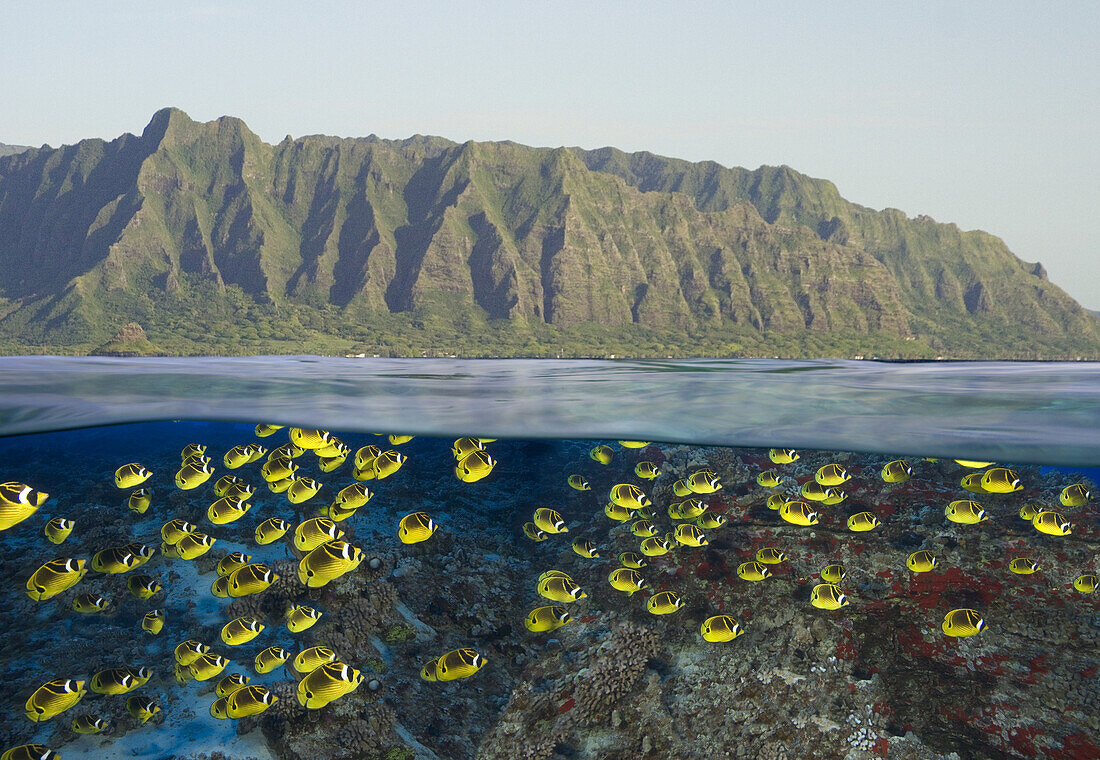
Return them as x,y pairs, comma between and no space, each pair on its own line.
97,234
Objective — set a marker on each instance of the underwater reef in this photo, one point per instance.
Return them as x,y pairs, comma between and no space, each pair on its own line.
875,677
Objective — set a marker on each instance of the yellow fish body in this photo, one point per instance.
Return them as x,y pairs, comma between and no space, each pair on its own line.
680,488
1023,566
1052,524
58,529
798,513
327,683
664,603
703,482
302,489
226,510
602,454
194,545
833,573
783,456
626,579
769,555
768,479
831,475
559,589
549,521
775,502
973,482
143,586
647,470
55,576
387,463
120,680
617,513
238,456
53,698
710,522
655,546
643,528
633,444
1086,584
417,527
142,708
720,629
861,522
474,466
1076,495
241,630
632,560
897,471
578,483
543,619
753,571
247,701
828,596
921,562
207,666
458,663
315,531
1001,480
690,535
271,658
328,562
250,579
153,622
271,530
187,652
533,532
629,496
965,512
585,548
130,475
86,724
231,562
18,502
300,618
962,623
190,477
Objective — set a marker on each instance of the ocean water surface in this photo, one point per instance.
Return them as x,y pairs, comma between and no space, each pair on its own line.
702,617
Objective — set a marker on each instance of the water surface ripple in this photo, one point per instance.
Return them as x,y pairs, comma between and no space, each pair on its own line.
1045,413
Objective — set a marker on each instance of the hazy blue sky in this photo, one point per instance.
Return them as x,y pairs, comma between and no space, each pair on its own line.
984,114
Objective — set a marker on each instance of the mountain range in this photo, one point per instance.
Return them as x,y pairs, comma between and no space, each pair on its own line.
213,241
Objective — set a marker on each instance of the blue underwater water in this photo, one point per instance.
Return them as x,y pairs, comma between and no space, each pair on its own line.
875,678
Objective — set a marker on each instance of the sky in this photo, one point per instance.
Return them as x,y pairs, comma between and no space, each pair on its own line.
986,114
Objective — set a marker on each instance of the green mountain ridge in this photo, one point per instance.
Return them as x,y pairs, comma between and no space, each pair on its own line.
216,242
8,150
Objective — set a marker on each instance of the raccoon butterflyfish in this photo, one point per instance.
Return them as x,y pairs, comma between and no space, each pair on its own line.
396,439
353,496
664,603
549,520
709,522
231,562
58,529
315,531
775,501
543,619
192,449
114,560
643,528
182,674
831,475
195,460
187,652
416,527
633,444
629,496
143,586
585,548
783,456
311,658
897,471
617,513
798,513
578,482
194,545
364,460
18,502
191,476
632,560
813,491
1023,566
680,488
250,700
1052,523
238,456
1086,584
602,454
231,683
464,446
55,576
327,683
53,698
626,579
335,449
961,623
828,596
965,512
328,464
458,663
861,522
973,482
833,573
153,622
337,512
971,464
922,561
1076,495
142,708
300,617
305,438
703,482
753,571
1028,512
769,555
387,463
219,709
271,658
1001,480
226,510
559,589
263,430
647,470
534,533
173,530
474,466
241,630
143,552
280,486
655,546
225,482
278,470
271,530
250,579
834,496
720,629
302,489
553,574
256,452
768,479
328,562
30,752
690,535
120,680
130,475
87,724
427,672
207,666
689,509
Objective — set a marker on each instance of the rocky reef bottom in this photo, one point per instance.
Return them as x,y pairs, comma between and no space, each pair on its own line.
874,678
